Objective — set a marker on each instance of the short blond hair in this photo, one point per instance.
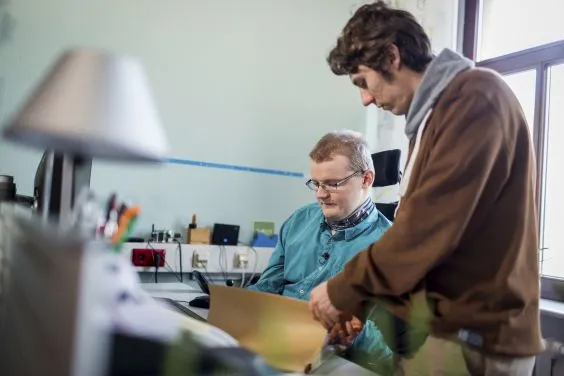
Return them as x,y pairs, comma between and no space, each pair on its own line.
347,143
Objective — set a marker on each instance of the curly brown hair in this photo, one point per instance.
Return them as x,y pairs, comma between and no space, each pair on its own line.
367,37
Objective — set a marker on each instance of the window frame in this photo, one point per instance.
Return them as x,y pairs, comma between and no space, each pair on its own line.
539,58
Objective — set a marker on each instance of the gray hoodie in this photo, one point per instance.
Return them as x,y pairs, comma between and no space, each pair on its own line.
438,75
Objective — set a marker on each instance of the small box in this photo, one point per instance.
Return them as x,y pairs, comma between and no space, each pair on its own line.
148,257
266,228
225,234
199,235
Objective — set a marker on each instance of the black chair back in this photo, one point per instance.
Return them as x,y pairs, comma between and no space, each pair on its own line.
386,166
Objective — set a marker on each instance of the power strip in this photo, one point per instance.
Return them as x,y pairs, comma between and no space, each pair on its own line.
206,258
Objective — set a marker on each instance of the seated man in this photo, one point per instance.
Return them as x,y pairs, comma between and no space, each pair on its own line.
317,240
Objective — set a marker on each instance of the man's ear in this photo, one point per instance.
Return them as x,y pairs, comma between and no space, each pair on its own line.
394,57
368,179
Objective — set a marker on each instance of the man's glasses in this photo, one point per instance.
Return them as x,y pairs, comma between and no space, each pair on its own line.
329,186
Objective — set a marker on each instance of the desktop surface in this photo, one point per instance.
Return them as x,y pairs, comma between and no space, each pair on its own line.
181,308
183,293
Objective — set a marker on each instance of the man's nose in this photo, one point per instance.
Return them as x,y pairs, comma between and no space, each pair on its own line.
321,192
366,98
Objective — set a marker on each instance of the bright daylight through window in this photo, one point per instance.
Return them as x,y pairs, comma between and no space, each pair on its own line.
553,234
509,26
524,41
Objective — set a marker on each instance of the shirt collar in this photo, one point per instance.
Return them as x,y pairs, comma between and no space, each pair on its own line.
352,232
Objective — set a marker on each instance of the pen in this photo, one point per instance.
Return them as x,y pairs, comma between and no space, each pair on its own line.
110,205
121,210
125,225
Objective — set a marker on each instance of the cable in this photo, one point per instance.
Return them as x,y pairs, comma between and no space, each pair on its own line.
225,263
255,267
219,256
243,278
207,274
156,261
203,266
223,255
180,252
179,277
168,267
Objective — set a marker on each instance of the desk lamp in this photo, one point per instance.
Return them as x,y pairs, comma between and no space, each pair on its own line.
57,292
90,104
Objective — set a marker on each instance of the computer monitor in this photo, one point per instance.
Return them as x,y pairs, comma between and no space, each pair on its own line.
67,178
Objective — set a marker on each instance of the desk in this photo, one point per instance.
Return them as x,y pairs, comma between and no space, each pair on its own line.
189,290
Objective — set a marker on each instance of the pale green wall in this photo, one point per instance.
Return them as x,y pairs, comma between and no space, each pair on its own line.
251,71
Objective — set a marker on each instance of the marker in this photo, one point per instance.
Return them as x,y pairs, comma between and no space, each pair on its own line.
125,225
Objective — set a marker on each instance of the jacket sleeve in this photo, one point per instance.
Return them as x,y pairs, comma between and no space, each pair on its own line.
371,342
468,150
272,278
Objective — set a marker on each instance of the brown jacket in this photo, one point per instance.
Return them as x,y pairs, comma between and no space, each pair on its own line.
466,230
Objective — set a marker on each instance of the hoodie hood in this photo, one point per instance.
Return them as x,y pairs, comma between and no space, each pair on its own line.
440,72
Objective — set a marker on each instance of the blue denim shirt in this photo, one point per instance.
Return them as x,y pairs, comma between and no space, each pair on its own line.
308,254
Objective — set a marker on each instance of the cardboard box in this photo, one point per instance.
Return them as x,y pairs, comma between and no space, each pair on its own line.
199,235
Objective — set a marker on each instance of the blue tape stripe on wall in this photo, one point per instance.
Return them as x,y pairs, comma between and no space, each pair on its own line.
257,170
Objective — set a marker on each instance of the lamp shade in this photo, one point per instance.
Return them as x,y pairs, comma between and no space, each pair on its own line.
93,104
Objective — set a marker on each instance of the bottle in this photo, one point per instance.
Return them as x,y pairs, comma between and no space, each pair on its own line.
193,224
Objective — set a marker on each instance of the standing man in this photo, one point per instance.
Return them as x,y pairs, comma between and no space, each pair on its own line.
460,260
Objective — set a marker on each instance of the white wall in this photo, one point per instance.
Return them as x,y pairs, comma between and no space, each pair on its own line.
238,82
242,83
386,131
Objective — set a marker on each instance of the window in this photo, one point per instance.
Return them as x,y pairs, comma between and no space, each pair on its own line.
508,26
523,85
524,42
553,203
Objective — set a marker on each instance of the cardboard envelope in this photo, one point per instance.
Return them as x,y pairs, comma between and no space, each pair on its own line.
280,329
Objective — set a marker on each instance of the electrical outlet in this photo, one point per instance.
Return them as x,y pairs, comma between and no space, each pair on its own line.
200,259
241,260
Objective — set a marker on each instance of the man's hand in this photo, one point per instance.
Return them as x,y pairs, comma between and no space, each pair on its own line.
322,308
345,333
